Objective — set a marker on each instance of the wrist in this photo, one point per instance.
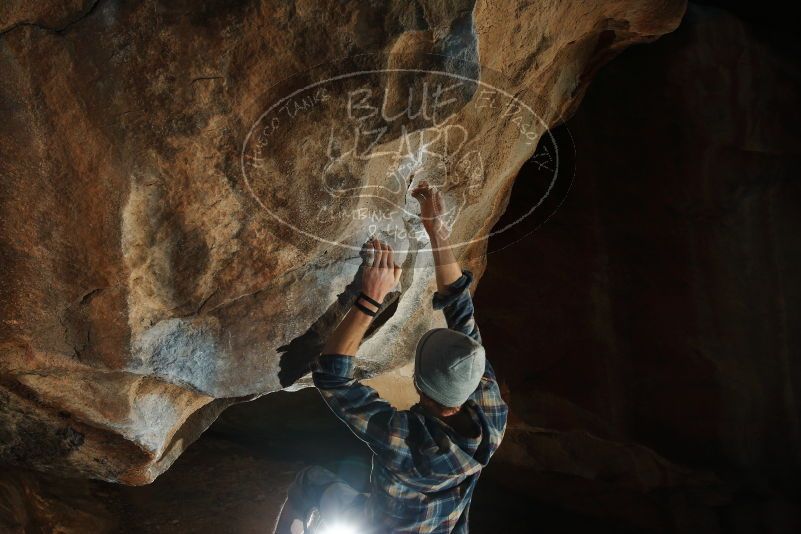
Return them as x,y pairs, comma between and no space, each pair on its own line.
363,312
366,305
438,237
375,295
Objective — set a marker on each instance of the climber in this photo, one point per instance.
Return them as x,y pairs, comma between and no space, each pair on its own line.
426,460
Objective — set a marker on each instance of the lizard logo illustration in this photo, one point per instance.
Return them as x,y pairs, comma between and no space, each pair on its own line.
436,154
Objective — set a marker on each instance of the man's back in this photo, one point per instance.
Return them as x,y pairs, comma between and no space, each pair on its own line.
424,470
433,489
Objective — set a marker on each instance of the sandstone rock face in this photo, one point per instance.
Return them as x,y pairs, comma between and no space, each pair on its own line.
149,276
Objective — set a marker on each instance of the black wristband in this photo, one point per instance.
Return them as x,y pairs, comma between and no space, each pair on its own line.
369,300
364,309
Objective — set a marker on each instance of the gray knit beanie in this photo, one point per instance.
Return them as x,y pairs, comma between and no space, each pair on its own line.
448,366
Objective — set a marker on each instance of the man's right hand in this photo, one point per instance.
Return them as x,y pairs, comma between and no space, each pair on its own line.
431,209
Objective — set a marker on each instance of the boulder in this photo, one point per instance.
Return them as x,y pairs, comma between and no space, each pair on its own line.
168,248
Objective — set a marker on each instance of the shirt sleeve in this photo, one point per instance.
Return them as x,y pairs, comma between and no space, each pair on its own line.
375,421
488,396
457,305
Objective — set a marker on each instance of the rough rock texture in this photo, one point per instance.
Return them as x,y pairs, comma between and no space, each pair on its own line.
661,303
144,288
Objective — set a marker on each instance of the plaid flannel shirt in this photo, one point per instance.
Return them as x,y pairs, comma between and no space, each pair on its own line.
423,472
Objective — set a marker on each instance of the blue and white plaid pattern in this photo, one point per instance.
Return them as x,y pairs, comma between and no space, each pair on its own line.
424,473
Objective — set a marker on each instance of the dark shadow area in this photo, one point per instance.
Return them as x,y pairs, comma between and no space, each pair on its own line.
540,189
652,311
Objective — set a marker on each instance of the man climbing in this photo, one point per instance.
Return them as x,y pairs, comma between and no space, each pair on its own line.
426,460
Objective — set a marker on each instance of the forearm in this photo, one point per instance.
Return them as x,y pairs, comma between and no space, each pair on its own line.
447,268
457,306
347,337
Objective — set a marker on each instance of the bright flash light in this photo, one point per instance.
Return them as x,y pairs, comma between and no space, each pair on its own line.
338,528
